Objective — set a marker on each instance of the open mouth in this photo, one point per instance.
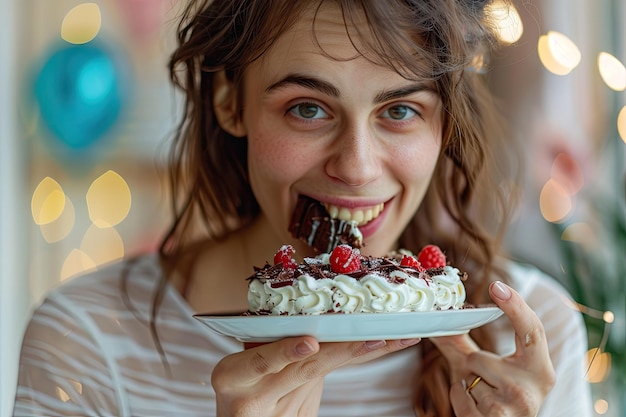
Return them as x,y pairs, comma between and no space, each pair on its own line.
324,226
360,216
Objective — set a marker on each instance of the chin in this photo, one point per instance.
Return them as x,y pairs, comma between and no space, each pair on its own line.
378,248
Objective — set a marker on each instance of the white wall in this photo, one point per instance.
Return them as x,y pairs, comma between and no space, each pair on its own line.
14,294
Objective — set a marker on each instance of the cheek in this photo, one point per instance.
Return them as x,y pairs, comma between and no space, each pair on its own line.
273,159
415,164
271,156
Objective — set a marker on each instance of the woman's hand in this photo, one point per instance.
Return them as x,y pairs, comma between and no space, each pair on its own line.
515,385
286,378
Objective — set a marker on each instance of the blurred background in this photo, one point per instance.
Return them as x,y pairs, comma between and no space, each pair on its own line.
87,113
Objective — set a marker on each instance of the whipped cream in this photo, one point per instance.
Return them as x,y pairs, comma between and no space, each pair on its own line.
383,287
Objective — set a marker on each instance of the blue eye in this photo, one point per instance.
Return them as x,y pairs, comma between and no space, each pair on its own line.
399,113
308,111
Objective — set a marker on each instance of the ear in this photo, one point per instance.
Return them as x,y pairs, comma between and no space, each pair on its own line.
225,105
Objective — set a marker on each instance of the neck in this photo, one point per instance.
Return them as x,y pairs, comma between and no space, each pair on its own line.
218,271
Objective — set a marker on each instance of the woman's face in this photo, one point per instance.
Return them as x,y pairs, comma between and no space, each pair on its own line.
352,134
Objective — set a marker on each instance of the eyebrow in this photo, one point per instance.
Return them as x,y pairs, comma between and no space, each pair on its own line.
401,92
307,82
330,90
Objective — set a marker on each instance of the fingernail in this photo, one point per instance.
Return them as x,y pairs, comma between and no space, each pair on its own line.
304,348
410,342
374,344
501,291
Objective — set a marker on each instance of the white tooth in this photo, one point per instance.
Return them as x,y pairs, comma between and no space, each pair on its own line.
357,216
344,214
361,217
368,215
332,211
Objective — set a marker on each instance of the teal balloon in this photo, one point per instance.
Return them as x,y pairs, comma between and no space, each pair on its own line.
80,92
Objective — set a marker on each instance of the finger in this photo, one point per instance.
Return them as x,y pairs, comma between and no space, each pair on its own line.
272,358
461,344
255,363
490,366
336,354
390,346
516,393
530,338
462,403
482,392
456,350
332,356
511,377
329,357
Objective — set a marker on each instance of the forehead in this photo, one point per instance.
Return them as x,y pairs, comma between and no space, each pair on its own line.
324,42
320,29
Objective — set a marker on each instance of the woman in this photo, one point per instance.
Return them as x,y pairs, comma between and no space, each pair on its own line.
355,104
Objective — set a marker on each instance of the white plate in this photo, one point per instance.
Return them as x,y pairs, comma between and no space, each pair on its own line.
351,327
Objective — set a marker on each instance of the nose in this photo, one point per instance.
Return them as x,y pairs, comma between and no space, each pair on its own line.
355,158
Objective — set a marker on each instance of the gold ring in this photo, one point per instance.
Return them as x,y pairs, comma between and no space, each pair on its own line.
473,384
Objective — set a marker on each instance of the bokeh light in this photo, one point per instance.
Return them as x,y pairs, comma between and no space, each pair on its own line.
601,406
81,24
102,246
48,201
507,21
77,262
479,63
108,200
581,233
567,172
61,227
62,394
621,123
555,202
612,71
598,364
558,53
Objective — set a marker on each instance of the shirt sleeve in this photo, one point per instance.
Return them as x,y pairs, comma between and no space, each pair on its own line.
567,343
63,369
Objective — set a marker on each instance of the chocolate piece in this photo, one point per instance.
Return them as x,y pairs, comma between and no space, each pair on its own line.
312,224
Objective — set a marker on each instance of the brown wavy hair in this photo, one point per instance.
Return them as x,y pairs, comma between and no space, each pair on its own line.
465,207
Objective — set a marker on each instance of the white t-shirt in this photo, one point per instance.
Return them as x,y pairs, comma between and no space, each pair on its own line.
89,351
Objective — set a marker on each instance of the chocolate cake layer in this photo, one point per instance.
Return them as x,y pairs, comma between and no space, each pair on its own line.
312,224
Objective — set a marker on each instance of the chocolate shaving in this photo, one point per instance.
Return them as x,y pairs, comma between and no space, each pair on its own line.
278,276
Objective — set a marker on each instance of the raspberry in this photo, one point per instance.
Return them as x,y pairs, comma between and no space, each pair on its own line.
284,256
345,260
431,257
409,261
